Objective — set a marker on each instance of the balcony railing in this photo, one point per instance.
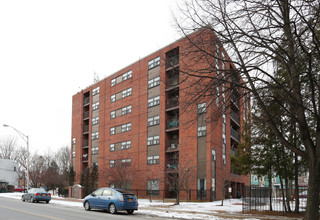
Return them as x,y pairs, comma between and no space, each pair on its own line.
86,129
172,145
173,123
172,61
85,143
234,134
235,117
172,82
86,115
172,167
85,157
234,100
86,101
172,102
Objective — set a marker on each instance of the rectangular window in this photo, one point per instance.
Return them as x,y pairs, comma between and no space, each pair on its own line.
113,82
154,101
126,93
126,127
202,131
153,187
94,150
153,140
152,160
154,63
73,154
112,147
154,82
126,162
111,163
154,120
73,140
202,108
112,114
95,135
96,91
127,75
112,130
95,106
125,145
95,120
113,98
126,110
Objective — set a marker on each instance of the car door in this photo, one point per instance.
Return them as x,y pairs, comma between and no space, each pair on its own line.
27,195
105,198
95,200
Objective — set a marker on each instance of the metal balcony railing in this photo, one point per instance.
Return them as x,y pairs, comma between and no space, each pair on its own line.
86,115
235,117
85,143
86,101
234,134
172,61
86,129
85,157
172,145
172,102
234,100
172,82
173,123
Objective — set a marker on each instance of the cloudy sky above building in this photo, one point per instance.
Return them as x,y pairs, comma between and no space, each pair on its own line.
50,50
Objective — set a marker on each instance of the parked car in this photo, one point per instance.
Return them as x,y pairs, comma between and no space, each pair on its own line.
19,189
36,195
112,200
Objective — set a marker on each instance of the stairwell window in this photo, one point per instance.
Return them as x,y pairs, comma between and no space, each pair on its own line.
202,131
202,108
153,101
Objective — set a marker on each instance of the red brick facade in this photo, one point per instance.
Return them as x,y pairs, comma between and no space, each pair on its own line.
151,147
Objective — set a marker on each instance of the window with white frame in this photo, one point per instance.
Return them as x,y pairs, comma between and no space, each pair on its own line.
153,187
126,110
95,106
96,91
125,145
127,75
154,63
202,108
112,148
113,82
153,140
111,163
202,131
126,127
126,162
154,101
113,114
95,120
112,130
94,150
154,120
95,135
152,160
154,82
113,98
126,93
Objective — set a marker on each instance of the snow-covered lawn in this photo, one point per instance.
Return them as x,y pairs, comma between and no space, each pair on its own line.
186,210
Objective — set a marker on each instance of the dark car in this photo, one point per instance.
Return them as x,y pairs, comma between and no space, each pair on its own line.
36,195
112,200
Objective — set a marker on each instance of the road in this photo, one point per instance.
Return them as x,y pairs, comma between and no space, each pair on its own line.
13,209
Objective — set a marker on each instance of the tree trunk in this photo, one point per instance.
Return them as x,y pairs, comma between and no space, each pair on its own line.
312,212
296,180
270,189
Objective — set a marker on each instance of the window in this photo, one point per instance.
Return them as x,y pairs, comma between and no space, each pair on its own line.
154,120
202,131
73,140
94,150
112,131
95,106
126,162
153,187
113,82
126,92
127,75
125,145
126,127
113,98
111,163
202,108
112,147
112,114
73,154
154,101
96,91
217,96
154,82
126,110
153,140
95,135
154,63
152,160
95,120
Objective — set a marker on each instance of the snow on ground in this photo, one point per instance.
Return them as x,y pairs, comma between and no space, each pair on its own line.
186,210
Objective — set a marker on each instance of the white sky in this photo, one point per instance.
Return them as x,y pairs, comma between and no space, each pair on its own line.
50,49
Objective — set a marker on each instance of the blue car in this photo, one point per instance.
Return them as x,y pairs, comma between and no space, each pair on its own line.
112,200
36,195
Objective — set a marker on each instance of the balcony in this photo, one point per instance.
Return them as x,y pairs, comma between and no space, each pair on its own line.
172,62
234,134
84,157
172,103
172,146
85,143
172,168
86,101
173,124
235,100
85,129
86,115
172,83
234,116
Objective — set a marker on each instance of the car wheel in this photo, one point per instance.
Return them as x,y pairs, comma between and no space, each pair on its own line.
32,200
130,211
22,198
87,206
112,208
47,202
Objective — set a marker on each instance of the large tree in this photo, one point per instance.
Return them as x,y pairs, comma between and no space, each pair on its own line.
261,37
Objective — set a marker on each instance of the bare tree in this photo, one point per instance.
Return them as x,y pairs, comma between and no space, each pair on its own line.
274,48
121,176
8,148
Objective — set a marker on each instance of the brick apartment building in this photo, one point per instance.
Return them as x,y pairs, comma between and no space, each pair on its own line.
137,120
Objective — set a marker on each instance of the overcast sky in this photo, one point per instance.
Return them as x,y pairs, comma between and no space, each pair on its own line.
49,50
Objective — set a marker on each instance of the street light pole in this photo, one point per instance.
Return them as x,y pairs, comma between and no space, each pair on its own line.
26,139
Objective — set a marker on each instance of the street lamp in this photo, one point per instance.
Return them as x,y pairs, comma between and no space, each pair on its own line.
26,139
